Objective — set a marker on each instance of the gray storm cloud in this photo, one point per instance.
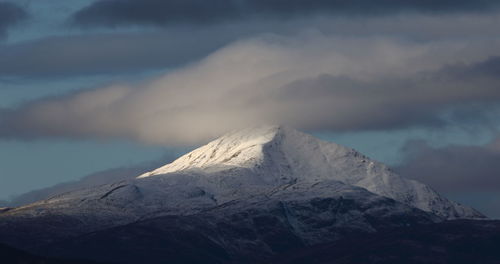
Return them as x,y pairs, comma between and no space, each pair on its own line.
309,81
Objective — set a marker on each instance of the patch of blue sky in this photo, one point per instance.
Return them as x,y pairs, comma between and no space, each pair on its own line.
25,166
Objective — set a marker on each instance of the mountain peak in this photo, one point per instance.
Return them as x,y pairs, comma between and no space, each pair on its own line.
242,148
274,156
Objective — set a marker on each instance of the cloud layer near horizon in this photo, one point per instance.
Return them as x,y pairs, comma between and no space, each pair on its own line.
454,168
309,81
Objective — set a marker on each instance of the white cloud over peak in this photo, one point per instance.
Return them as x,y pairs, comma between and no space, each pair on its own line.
309,81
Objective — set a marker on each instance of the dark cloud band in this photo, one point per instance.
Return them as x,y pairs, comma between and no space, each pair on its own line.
159,12
64,56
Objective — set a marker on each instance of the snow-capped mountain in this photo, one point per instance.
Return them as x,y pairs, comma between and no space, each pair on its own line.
312,188
273,156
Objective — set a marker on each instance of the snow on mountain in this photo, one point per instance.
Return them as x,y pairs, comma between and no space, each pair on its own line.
273,156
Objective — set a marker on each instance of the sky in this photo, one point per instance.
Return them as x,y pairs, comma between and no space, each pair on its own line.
94,90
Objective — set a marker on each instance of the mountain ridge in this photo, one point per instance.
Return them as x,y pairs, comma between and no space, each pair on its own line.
282,155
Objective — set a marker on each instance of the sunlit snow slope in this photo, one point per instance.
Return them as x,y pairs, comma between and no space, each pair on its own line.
273,156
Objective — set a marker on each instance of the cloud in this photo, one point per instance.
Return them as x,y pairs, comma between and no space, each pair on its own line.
62,56
310,81
455,168
199,12
136,52
10,14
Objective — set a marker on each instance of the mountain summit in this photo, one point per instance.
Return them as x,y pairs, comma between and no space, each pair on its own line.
278,155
